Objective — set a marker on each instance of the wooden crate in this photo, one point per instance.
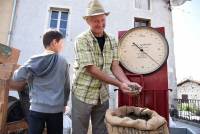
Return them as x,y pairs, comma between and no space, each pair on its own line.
8,54
15,126
8,60
6,71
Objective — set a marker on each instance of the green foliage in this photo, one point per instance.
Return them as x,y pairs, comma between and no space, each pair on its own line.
190,107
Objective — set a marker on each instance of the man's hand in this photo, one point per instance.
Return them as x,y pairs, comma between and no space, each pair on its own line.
127,88
135,88
135,85
124,88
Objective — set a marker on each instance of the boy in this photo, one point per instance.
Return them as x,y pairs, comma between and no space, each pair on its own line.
48,79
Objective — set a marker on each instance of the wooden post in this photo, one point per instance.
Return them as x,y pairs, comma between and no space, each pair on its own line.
5,74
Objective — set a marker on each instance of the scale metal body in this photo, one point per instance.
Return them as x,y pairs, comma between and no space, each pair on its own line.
143,53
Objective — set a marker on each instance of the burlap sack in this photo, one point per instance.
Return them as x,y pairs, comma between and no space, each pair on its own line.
118,122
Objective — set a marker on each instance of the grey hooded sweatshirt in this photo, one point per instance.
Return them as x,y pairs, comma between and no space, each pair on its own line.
48,79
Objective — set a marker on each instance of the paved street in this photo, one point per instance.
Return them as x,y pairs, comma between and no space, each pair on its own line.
194,129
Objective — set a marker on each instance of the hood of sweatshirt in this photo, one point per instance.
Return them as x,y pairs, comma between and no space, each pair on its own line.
42,64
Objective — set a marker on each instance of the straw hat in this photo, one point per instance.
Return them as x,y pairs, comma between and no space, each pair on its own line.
94,8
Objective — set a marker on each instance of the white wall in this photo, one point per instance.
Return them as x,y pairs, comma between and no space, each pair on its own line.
32,20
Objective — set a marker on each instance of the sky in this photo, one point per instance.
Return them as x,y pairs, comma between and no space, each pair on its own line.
186,26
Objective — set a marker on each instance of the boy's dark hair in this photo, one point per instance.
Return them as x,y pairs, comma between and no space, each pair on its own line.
50,35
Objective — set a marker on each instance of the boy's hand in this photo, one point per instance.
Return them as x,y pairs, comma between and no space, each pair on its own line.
67,109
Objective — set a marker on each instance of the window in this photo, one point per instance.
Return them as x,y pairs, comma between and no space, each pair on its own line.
142,22
142,4
59,20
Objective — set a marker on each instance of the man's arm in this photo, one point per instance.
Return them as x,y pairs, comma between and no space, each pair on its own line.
119,74
98,74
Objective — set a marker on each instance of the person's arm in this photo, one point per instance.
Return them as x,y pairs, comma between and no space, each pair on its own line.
66,86
119,74
19,79
115,68
98,74
16,85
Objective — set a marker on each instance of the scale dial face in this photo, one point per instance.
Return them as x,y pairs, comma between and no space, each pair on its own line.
143,50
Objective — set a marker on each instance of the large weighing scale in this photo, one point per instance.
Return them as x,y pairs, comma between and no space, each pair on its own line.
143,53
